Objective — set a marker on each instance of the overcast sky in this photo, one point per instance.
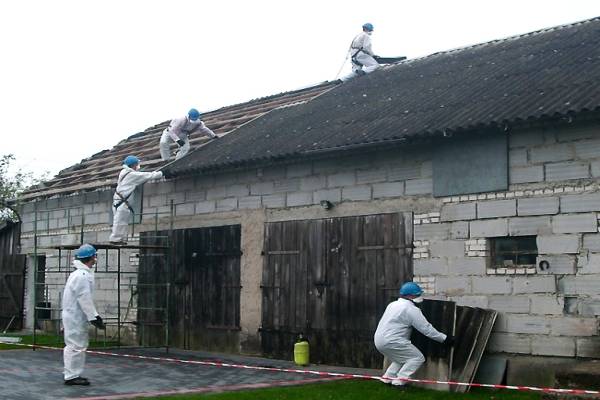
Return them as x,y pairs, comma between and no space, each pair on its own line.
78,76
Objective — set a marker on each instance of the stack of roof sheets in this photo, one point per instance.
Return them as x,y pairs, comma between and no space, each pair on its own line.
472,328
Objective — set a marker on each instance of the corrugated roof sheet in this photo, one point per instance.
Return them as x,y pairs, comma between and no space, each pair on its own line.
542,74
101,169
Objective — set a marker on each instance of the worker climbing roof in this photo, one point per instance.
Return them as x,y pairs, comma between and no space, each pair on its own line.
193,114
130,161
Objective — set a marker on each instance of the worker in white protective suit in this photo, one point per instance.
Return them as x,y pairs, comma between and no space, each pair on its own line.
179,131
129,178
78,311
392,337
361,53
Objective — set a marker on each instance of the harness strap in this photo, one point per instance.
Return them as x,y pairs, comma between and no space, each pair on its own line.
123,198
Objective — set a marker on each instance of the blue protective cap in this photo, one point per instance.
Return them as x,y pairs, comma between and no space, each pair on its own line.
131,161
194,114
368,27
85,251
411,289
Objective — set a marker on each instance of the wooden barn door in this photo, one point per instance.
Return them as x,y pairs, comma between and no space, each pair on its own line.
331,279
204,276
12,278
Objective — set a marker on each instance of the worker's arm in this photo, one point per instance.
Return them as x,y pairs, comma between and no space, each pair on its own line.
135,178
83,294
175,128
420,323
202,128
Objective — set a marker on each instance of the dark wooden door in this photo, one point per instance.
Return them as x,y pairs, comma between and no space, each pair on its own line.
12,276
203,269
331,280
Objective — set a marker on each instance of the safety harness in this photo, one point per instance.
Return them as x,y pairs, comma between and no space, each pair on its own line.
123,199
354,60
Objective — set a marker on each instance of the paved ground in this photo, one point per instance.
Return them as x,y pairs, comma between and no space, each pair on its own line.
27,375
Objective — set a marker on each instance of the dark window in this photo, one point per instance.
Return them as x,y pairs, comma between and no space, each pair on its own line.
514,251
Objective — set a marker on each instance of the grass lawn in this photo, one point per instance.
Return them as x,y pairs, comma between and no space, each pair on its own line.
355,390
49,340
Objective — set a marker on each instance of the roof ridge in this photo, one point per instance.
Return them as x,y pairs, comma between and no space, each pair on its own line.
500,40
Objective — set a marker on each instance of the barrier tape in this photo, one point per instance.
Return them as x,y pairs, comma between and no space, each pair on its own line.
323,373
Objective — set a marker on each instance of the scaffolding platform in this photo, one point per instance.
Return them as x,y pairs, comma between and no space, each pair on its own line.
108,246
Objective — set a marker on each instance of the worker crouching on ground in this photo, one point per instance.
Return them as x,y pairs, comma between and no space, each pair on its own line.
392,337
361,53
129,178
78,311
179,131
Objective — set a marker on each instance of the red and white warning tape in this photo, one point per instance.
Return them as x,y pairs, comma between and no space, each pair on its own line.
323,373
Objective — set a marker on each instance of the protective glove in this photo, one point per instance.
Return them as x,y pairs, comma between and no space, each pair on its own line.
181,142
450,341
215,137
98,323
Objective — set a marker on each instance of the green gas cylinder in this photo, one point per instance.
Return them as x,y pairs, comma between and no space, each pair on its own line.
302,351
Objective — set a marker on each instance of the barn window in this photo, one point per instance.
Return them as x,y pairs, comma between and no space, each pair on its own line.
513,253
472,164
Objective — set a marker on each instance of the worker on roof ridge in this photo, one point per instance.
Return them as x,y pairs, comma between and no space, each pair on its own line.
78,311
392,337
179,131
361,53
129,178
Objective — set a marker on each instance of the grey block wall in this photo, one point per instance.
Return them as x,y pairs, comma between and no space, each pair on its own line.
554,194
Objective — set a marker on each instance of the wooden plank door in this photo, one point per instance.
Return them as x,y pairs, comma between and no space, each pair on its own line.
12,275
331,279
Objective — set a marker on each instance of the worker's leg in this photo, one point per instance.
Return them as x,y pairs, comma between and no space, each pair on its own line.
76,343
368,62
164,146
412,358
120,228
183,150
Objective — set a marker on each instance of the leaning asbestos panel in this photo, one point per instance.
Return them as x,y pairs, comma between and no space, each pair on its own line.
438,357
482,339
473,328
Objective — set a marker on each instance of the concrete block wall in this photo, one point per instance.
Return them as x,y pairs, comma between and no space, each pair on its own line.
552,195
59,222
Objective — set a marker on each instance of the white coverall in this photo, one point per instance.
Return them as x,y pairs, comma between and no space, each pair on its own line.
77,312
180,129
361,50
126,184
392,338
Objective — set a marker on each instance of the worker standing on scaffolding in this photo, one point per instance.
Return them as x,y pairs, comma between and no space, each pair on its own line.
78,311
129,178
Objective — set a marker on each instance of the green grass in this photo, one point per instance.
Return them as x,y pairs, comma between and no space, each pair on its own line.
49,341
354,390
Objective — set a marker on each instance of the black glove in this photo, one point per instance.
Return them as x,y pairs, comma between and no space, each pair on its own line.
98,323
450,341
181,142
215,137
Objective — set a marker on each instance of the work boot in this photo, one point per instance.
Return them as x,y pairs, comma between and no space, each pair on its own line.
78,381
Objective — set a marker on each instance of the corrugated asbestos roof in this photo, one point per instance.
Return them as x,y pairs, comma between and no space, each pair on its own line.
543,74
101,169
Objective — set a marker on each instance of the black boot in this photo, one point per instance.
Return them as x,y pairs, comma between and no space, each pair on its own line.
79,381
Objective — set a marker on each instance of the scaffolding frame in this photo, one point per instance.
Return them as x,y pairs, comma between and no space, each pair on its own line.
77,213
